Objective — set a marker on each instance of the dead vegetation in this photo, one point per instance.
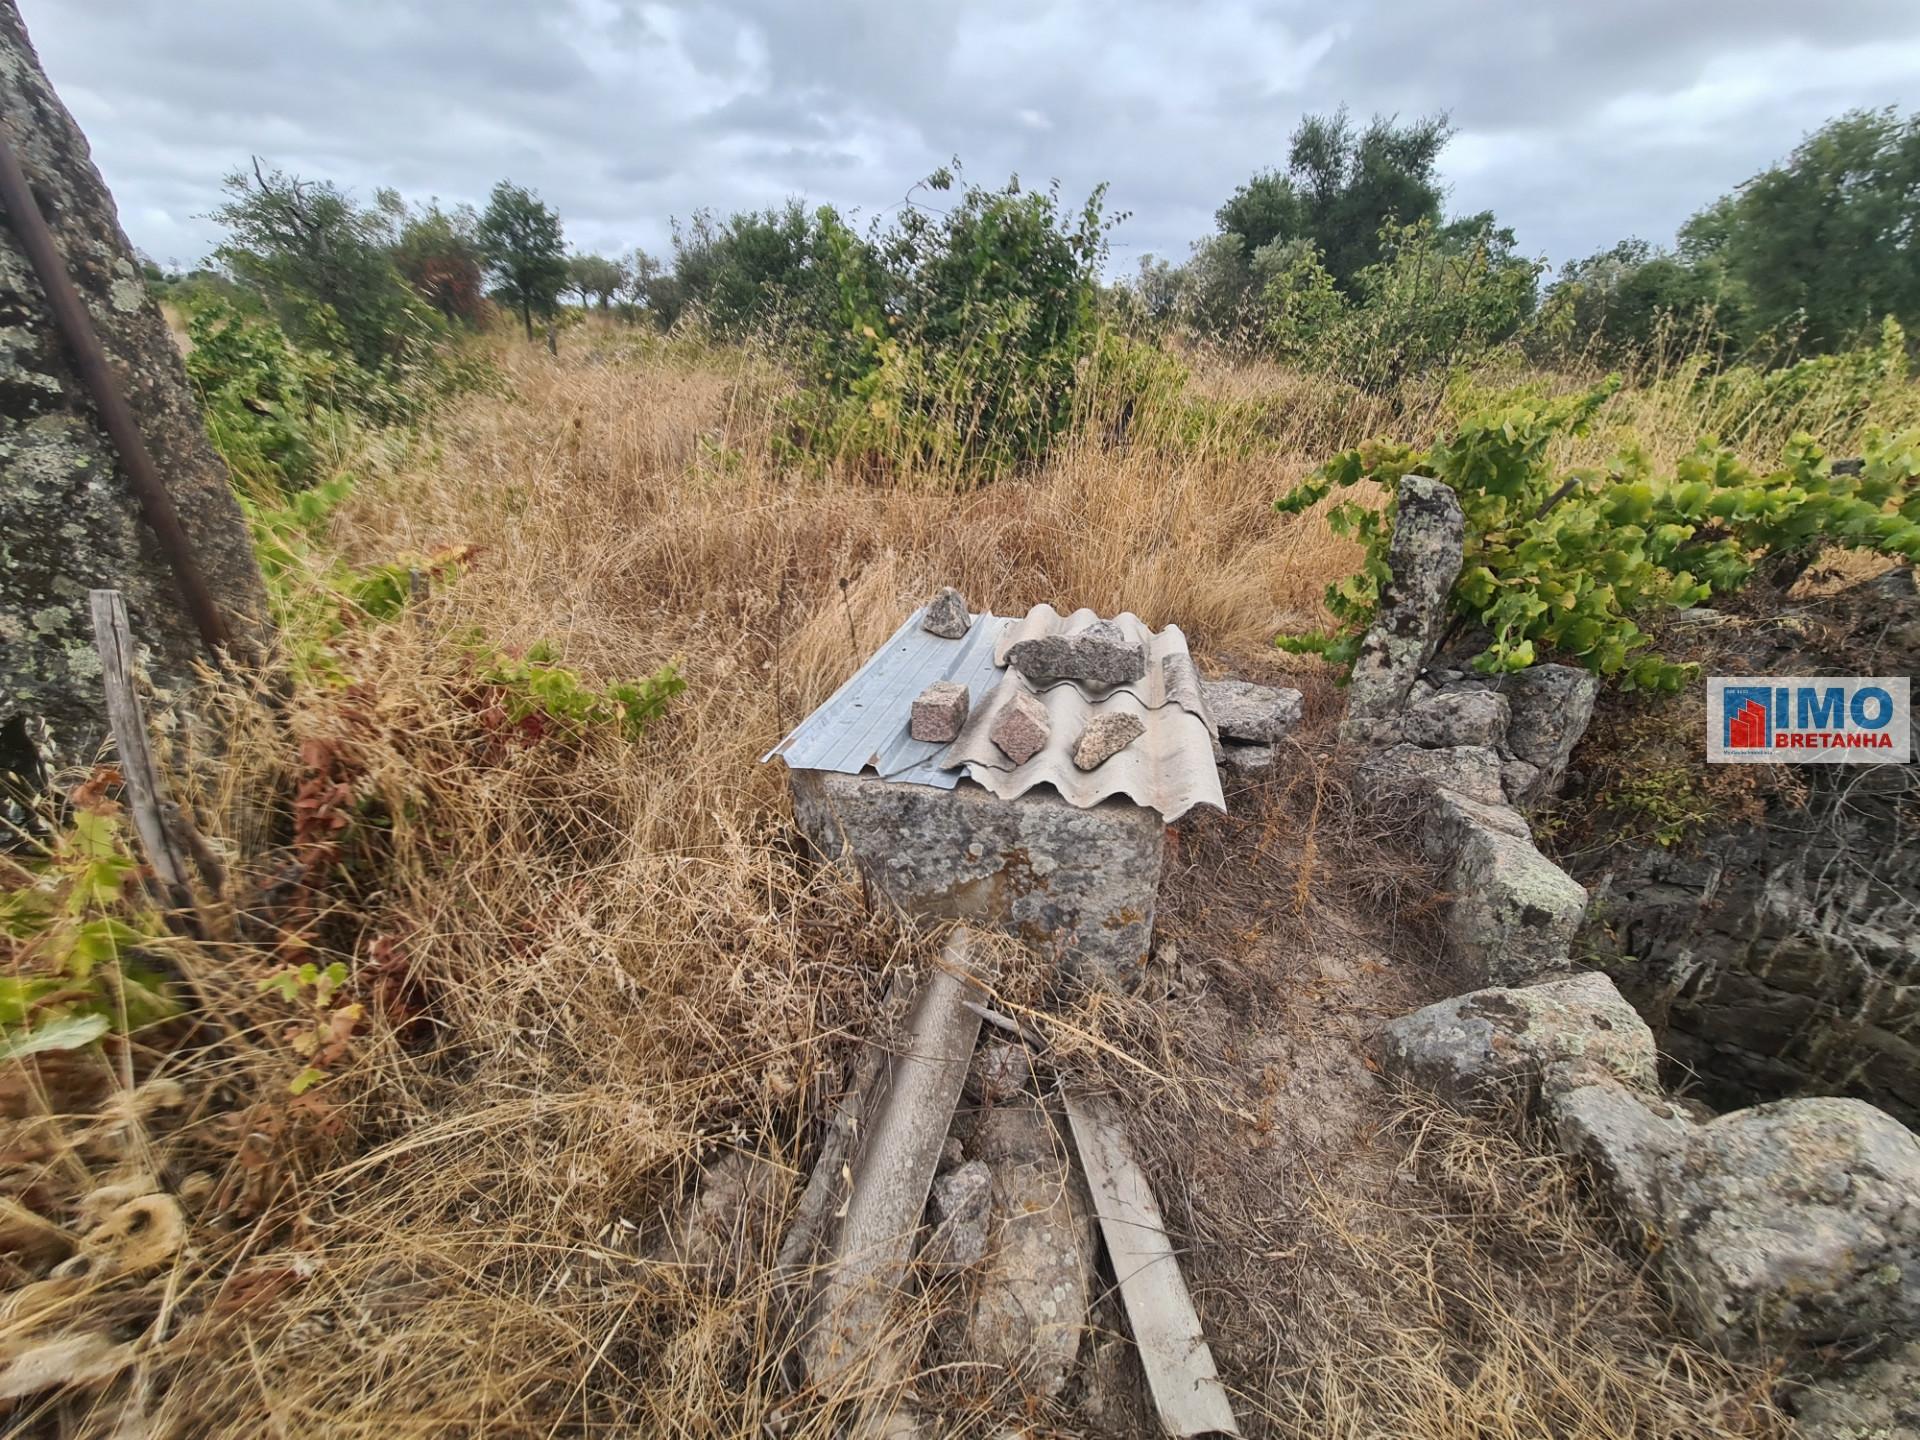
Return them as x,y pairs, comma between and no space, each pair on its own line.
591,968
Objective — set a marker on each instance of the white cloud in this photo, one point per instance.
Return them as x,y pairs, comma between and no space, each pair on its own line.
1577,124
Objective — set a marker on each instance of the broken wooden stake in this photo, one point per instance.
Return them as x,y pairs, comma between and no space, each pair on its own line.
113,638
1186,1387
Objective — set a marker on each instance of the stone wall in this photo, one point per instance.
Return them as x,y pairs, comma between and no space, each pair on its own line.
1783,958
68,518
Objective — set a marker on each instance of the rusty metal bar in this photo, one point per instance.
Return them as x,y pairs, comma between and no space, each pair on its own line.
116,417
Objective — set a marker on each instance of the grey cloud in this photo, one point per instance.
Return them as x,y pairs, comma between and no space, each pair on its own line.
1578,124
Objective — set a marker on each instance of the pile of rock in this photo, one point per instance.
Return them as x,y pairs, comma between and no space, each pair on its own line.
1099,658
1463,751
1251,720
1785,1225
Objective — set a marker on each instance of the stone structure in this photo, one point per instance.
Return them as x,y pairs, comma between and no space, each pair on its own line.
1790,1224
1035,866
1783,957
1424,554
68,518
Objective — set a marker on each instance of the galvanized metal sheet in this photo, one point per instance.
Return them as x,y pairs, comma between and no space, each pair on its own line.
863,726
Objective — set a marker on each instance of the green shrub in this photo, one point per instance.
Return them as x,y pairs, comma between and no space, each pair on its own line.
1435,300
538,692
79,940
261,398
957,338
1567,562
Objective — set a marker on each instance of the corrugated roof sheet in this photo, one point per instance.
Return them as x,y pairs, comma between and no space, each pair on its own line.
863,726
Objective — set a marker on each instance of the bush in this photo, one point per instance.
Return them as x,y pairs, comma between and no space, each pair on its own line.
957,337
771,271
1433,302
1571,561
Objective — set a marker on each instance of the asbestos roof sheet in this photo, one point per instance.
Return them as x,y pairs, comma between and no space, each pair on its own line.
863,726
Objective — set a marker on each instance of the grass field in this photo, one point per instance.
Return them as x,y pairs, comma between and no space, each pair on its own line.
592,966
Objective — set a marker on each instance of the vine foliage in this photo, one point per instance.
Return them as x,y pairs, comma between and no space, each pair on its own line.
1574,561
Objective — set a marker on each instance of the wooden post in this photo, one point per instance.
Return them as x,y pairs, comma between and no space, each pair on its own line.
113,638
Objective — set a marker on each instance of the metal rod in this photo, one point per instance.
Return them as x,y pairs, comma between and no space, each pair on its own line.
116,418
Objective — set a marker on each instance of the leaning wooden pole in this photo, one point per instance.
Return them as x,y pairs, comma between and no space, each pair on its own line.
116,416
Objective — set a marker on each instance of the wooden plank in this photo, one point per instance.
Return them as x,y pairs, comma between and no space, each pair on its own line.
1186,1387
850,1335
113,638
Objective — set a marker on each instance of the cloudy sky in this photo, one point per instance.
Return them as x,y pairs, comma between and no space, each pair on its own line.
1578,123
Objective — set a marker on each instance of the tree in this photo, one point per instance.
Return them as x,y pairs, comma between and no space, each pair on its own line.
1340,188
438,252
1623,299
1438,297
595,278
520,242
321,263
761,269
1822,247
642,274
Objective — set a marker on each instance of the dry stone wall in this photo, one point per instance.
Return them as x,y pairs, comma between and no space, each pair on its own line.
1783,958
1783,1227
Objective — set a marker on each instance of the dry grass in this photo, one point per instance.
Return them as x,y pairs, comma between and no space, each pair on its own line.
613,971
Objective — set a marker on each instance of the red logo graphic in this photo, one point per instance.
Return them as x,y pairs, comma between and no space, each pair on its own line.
1747,727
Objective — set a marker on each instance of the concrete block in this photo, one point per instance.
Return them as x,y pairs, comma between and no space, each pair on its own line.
1034,866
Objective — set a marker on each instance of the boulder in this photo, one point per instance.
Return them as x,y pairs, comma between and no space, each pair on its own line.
1257,714
1551,706
1627,1142
1106,735
1252,761
1406,771
69,518
947,615
1795,1222
939,712
1878,1400
1502,1047
1099,656
1424,557
1022,728
1514,913
1520,780
1450,816
1035,866
1456,717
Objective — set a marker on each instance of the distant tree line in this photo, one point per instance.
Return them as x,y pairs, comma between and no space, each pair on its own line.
1345,259
961,331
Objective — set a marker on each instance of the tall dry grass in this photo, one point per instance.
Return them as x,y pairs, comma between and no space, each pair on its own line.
617,972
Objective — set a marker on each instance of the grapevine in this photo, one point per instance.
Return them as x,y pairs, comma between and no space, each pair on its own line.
1571,562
